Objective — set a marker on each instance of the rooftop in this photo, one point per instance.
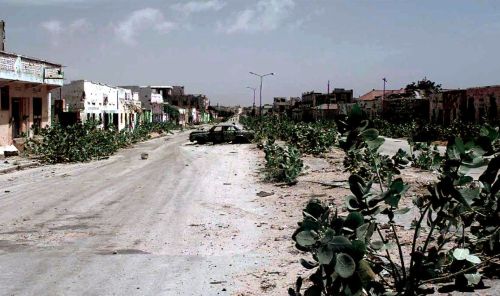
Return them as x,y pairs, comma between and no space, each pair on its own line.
375,93
30,58
14,67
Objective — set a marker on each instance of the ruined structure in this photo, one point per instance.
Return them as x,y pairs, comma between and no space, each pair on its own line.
25,85
83,100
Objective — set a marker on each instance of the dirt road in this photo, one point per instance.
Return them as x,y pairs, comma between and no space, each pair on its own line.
181,222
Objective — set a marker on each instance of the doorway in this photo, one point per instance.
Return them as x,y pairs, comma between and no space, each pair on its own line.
16,117
37,115
115,120
106,120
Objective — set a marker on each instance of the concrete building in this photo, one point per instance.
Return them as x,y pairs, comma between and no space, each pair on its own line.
153,99
129,109
25,85
282,105
403,107
267,109
318,106
83,100
201,103
475,104
444,107
484,103
196,105
371,102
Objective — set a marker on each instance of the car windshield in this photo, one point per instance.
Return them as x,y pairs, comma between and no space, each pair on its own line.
219,128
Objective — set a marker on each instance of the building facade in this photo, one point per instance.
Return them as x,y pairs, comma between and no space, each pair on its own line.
484,103
283,105
475,104
371,102
25,85
319,106
83,100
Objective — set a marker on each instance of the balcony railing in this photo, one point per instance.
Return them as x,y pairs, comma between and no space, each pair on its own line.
19,68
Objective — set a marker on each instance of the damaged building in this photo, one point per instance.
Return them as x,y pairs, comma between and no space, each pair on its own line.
25,85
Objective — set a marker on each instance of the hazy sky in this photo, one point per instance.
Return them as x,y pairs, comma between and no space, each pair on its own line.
209,46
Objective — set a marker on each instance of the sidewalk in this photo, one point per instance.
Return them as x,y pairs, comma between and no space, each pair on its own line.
16,163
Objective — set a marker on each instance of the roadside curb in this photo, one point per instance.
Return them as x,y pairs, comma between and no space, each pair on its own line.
33,165
18,168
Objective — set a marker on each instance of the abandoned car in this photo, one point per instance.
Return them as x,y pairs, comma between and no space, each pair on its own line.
222,133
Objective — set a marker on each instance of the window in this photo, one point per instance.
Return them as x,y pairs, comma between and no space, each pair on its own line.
4,94
217,129
88,116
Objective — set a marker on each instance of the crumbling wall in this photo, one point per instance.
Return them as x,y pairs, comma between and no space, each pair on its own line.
405,110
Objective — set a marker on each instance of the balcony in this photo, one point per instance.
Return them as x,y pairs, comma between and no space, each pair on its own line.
14,67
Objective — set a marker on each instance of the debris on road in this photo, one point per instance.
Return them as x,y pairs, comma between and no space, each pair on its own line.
264,194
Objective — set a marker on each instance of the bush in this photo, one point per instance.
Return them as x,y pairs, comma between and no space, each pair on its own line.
425,156
282,164
310,138
350,255
426,132
85,141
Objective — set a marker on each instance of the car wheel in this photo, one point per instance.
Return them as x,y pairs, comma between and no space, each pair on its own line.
240,140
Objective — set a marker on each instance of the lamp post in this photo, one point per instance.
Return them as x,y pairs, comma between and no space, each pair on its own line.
383,92
254,89
260,93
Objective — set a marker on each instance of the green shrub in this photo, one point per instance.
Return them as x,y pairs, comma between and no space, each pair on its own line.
310,138
425,156
282,164
459,214
426,132
85,141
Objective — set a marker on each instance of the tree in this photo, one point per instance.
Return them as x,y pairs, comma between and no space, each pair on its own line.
424,86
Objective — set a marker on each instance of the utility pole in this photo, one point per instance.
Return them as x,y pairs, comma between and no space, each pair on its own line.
254,89
328,94
2,35
260,93
383,92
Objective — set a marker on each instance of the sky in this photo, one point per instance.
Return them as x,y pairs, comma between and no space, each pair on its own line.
210,46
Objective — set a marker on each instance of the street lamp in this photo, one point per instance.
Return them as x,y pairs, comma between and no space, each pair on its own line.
383,92
260,93
254,89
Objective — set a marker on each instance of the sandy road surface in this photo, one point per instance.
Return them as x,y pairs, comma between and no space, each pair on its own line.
179,223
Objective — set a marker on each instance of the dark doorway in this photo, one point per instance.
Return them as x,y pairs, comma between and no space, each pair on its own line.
16,117
37,115
106,120
115,120
68,118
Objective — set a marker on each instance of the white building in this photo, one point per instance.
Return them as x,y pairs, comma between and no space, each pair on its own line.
129,107
153,100
84,100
